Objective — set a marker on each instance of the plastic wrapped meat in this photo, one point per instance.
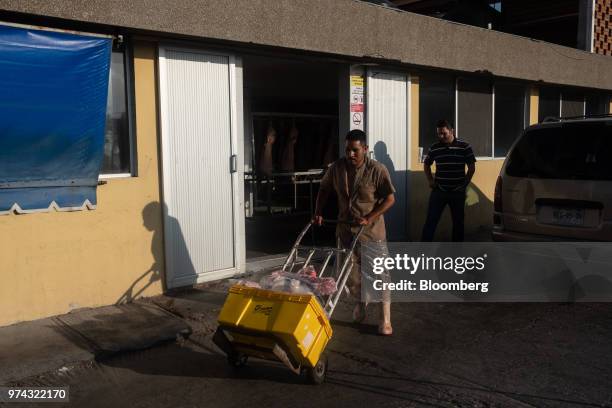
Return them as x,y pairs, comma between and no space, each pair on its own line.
267,282
322,286
286,282
305,281
248,283
327,286
308,272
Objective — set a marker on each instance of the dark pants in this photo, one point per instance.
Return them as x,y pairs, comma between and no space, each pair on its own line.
437,201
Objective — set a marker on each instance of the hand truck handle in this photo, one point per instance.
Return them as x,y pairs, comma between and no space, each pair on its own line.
337,222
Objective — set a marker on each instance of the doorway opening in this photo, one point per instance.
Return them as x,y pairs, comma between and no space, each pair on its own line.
291,135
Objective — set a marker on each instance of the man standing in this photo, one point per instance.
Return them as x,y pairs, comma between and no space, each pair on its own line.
448,187
365,192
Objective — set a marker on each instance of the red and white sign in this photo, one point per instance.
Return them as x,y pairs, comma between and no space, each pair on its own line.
357,105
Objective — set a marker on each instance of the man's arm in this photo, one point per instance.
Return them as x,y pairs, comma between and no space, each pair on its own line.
427,170
470,173
429,160
385,194
470,161
326,186
322,197
379,209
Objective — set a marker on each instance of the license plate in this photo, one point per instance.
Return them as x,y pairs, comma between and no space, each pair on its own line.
568,216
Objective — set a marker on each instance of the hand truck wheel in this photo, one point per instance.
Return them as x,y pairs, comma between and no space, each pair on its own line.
237,360
316,375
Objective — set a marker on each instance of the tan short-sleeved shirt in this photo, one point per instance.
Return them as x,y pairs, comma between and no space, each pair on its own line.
372,184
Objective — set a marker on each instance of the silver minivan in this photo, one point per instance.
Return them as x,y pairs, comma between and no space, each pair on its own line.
556,183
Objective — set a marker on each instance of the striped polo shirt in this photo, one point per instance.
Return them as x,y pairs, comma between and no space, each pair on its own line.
450,160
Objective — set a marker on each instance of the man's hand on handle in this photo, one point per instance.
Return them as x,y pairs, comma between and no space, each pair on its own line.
317,220
362,220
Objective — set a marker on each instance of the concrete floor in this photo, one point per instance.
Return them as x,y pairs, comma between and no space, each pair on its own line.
441,355
276,234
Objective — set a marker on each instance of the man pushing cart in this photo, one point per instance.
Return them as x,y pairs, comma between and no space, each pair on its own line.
365,192
288,319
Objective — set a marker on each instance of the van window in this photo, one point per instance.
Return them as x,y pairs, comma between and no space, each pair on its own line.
573,151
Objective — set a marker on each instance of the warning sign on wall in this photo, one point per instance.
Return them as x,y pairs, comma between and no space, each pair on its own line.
357,80
357,101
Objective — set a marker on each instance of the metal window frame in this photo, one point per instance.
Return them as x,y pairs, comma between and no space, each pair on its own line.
457,106
492,85
527,107
128,72
561,103
409,123
526,116
493,120
559,98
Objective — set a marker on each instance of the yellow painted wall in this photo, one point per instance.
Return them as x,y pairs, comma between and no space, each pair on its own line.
534,100
479,200
51,263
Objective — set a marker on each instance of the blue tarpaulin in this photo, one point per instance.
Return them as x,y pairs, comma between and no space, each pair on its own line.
53,91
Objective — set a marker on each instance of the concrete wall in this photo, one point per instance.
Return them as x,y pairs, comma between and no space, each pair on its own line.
53,262
342,27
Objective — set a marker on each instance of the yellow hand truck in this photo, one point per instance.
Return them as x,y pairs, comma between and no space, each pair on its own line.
287,327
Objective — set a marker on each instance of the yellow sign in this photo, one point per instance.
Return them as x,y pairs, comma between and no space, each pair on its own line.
356,80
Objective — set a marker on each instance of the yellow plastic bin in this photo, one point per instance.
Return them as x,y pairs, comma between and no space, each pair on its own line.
274,325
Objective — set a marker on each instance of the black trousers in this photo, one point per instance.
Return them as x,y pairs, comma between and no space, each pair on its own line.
437,202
